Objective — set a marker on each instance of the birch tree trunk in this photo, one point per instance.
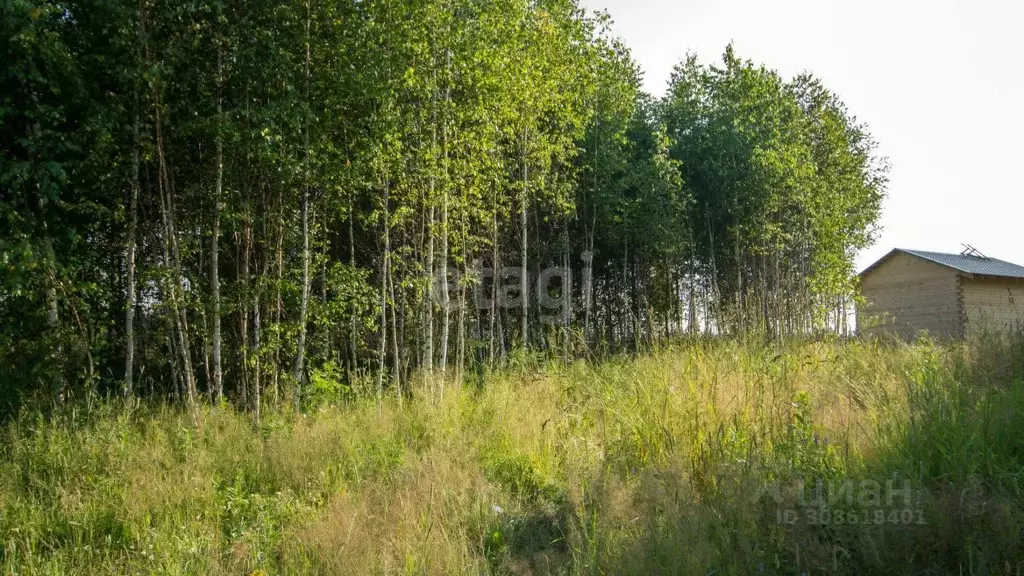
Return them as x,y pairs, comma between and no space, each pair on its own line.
352,262
428,336
133,223
304,304
278,302
429,332
524,289
173,261
215,242
445,296
243,314
385,264
495,278
395,349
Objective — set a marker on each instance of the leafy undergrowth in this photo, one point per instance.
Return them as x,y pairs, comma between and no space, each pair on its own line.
704,457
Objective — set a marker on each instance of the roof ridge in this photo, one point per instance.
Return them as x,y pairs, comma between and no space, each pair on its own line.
969,263
964,263
953,254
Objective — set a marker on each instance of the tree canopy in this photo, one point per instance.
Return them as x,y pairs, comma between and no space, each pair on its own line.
273,202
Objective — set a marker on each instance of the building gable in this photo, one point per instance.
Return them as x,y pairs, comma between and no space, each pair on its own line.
905,294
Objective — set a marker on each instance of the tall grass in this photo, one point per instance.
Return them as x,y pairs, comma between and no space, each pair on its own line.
683,461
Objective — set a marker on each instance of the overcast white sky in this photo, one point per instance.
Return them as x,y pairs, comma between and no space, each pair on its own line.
939,82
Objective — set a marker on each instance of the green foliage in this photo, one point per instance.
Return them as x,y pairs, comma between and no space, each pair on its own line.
787,189
327,386
335,159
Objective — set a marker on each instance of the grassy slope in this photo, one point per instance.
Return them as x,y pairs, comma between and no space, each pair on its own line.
649,465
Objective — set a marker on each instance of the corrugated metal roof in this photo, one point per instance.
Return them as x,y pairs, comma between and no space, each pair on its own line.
971,264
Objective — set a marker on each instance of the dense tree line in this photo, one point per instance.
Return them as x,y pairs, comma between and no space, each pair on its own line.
274,201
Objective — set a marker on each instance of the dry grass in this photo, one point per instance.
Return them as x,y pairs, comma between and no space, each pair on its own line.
643,465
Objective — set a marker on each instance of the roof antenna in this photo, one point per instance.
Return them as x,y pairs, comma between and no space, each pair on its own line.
972,251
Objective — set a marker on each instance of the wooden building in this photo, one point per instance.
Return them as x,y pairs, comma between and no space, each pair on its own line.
951,296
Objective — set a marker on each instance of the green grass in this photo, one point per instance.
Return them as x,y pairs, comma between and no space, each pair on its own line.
663,464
